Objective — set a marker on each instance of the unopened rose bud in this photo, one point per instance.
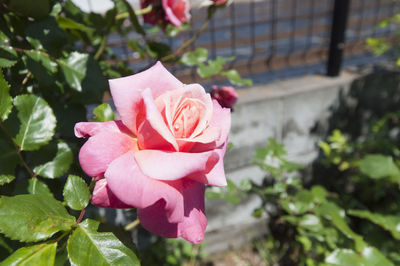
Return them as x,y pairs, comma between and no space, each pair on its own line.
225,95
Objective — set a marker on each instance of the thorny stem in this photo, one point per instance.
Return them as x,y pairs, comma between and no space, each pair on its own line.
18,150
132,225
81,215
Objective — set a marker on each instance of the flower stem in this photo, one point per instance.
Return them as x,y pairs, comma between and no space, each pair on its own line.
189,42
132,225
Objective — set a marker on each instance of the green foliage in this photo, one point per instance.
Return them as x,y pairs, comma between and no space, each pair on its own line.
35,186
103,113
382,45
8,162
37,122
194,58
378,166
86,246
33,217
76,193
40,254
369,256
59,165
235,79
323,225
55,61
5,98
74,69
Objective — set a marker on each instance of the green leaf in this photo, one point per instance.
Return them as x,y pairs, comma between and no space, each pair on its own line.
388,222
235,78
76,193
5,98
43,59
194,58
30,218
38,187
59,165
8,161
336,215
67,23
311,223
103,113
214,66
343,257
41,254
378,166
37,122
86,246
369,256
8,56
74,68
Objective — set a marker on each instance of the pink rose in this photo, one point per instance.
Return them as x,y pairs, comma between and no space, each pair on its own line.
226,95
169,143
175,12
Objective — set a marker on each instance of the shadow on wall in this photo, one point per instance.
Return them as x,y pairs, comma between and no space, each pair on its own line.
369,98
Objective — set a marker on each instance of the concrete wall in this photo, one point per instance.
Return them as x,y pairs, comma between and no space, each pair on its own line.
287,111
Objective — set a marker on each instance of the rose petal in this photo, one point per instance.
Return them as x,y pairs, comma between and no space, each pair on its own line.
101,149
103,197
126,91
215,172
174,14
153,133
132,187
194,222
208,139
163,165
221,119
88,129
197,91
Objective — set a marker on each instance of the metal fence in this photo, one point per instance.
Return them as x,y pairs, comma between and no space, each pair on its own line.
274,35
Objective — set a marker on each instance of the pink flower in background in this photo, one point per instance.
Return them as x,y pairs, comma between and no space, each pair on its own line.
225,95
169,143
175,12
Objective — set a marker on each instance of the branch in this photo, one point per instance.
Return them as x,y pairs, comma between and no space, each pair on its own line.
189,42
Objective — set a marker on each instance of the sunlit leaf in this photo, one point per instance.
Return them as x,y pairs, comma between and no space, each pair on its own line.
194,58
76,193
5,98
86,246
33,217
40,254
235,78
74,69
37,122
103,113
35,186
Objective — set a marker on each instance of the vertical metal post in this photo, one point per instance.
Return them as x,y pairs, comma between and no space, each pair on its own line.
336,47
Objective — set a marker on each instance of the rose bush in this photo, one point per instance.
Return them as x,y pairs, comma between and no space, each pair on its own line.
169,144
